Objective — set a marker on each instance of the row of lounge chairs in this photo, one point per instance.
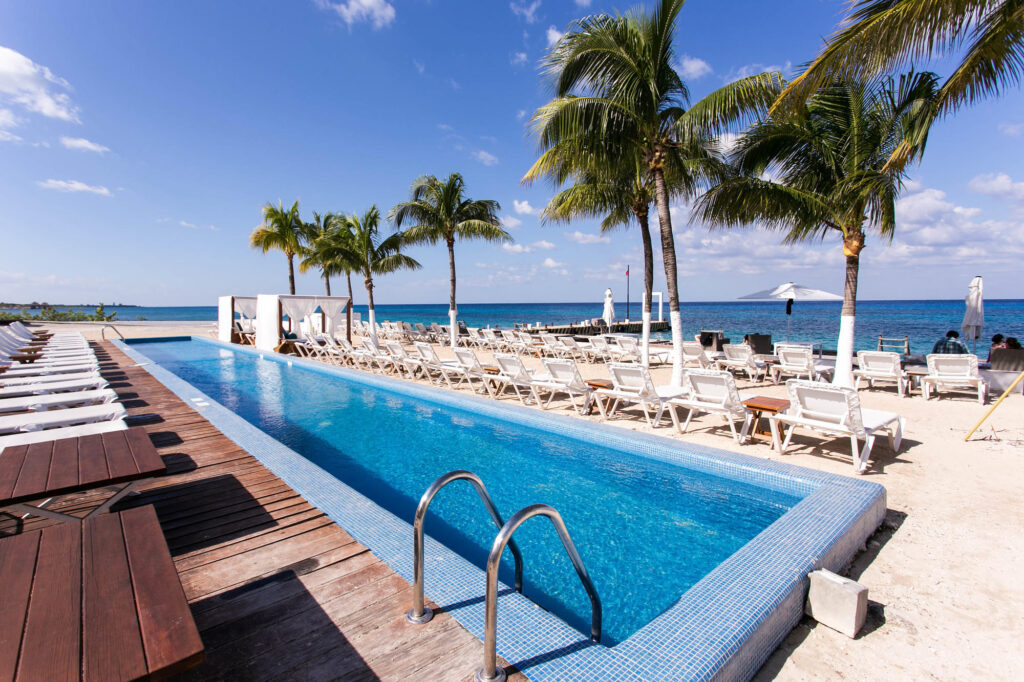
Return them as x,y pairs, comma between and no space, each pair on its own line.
815,406
50,387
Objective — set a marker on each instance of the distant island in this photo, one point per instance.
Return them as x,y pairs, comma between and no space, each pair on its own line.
44,304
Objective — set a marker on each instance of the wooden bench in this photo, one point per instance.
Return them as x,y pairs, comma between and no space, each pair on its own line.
100,600
45,470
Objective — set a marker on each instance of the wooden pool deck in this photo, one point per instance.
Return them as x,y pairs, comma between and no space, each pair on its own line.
277,589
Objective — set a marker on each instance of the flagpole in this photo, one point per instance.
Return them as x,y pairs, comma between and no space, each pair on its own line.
627,293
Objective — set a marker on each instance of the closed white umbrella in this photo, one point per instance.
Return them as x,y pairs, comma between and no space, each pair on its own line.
609,308
789,292
974,315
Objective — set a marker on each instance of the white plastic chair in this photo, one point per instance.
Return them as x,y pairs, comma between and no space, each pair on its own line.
835,411
443,370
513,373
797,361
952,372
695,356
56,401
740,357
880,366
90,382
50,419
27,438
470,363
566,378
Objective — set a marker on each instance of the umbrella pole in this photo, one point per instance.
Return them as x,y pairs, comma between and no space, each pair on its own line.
993,408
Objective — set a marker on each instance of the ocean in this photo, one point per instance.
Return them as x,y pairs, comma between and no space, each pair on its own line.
923,321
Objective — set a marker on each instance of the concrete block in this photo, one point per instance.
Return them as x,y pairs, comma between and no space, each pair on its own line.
837,602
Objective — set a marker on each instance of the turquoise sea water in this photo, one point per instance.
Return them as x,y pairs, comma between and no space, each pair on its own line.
647,530
923,321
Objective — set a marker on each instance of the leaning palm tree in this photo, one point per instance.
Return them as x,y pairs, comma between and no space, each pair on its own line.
281,230
315,238
618,196
883,36
440,212
372,255
822,170
619,98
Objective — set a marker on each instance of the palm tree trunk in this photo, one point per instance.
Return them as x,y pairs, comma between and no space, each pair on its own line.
291,274
327,283
368,281
348,312
643,219
668,252
853,243
453,327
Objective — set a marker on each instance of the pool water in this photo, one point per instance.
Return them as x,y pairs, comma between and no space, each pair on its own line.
647,530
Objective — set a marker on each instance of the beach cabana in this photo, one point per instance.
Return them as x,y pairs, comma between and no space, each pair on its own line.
227,307
271,309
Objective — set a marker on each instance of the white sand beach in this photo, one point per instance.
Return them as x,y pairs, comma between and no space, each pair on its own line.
943,571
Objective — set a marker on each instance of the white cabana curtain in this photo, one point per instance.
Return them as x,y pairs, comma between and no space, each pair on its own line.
297,308
332,307
246,306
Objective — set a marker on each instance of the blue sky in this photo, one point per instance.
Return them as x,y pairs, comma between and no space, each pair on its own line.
138,142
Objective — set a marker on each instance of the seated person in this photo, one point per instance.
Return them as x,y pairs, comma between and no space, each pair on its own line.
1012,343
997,343
951,345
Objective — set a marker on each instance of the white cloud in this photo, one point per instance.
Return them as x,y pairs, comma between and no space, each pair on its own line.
524,208
519,58
193,226
7,118
751,69
584,238
454,84
1011,129
521,114
550,262
445,127
73,186
515,248
378,12
553,36
33,87
7,136
485,158
511,222
543,245
420,66
527,11
583,3
998,185
82,144
692,68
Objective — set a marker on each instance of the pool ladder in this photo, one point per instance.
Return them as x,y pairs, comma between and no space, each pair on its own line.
419,614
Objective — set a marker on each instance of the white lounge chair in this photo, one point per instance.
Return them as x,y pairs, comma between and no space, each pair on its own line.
797,361
552,346
29,381
880,366
835,411
401,358
565,378
443,370
29,437
950,372
90,383
601,348
51,419
713,391
513,373
380,359
633,384
472,369
694,355
740,357
51,401
27,371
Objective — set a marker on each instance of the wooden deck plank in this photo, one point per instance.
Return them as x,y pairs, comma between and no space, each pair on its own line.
276,588
17,560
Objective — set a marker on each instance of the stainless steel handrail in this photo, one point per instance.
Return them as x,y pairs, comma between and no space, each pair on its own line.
490,670
103,331
419,613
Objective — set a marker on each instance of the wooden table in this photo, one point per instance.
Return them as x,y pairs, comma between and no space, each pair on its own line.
761,404
597,384
100,600
44,470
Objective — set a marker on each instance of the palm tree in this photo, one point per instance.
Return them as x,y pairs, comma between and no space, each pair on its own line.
440,212
371,255
315,241
281,230
333,251
619,196
883,36
619,98
821,170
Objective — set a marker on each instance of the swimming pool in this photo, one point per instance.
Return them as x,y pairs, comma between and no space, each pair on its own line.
650,530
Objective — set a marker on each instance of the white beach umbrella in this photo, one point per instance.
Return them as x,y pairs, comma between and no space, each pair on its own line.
974,315
609,308
789,292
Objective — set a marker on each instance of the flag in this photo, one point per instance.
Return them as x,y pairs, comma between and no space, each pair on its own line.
627,271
